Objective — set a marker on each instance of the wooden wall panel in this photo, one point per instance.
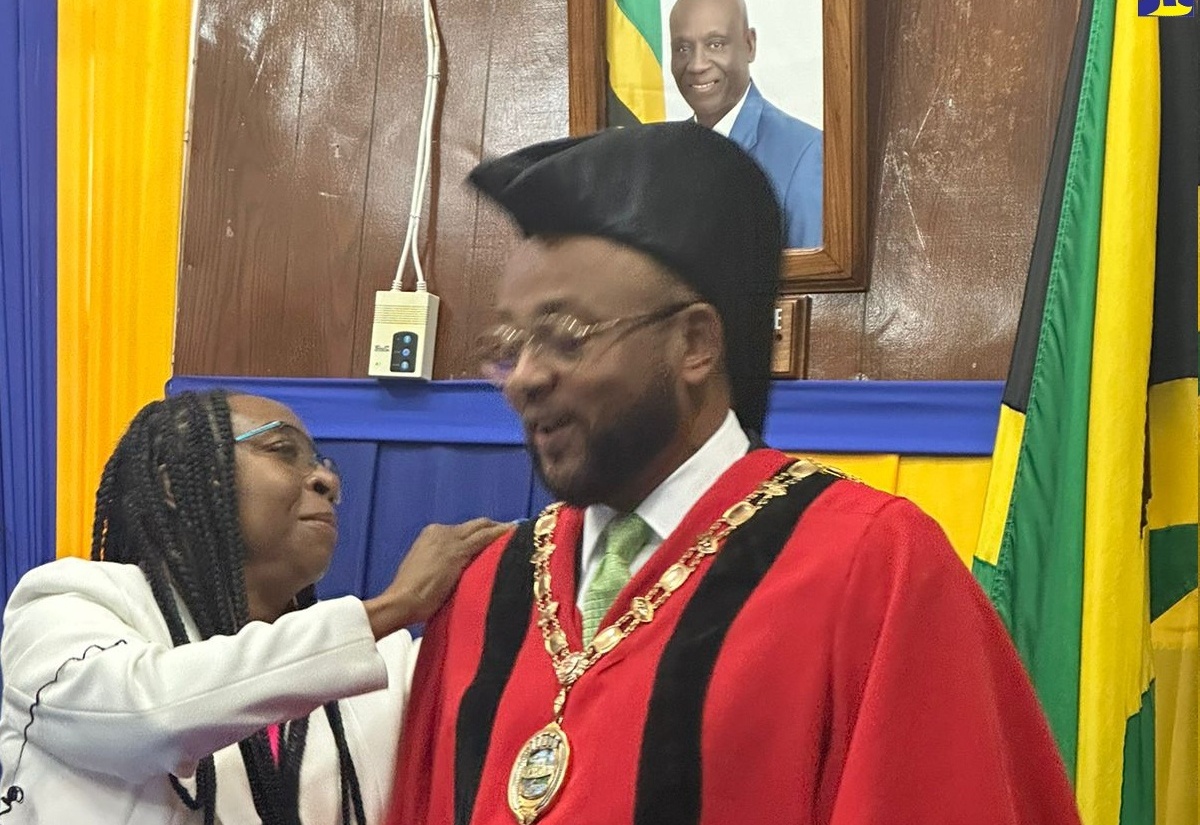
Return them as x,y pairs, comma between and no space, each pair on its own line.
969,98
328,187
398,81
336,127
527,102
305,132
449,216
238,190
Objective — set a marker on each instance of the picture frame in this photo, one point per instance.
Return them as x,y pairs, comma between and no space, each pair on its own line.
838,264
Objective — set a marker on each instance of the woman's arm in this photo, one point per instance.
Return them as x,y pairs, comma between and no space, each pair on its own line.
84,645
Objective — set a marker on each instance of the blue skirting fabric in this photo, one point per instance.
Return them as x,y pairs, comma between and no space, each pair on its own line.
411,453
905,417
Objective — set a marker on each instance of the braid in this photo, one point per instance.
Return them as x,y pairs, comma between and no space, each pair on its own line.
167,502
351,793
100,524
265,785
151,511
291,754
206,782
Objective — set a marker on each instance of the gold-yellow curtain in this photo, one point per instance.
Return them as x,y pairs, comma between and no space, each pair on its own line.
122,99
951,488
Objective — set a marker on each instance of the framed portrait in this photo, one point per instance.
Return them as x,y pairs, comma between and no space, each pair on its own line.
785,79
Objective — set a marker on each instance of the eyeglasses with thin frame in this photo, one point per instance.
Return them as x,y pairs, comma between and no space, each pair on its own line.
298,450
559,338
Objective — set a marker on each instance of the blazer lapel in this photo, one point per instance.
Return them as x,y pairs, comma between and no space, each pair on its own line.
745,129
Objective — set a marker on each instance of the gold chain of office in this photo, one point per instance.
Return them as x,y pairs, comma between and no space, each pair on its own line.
539,771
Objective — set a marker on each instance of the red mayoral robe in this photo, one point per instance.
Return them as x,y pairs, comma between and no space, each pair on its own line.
834,664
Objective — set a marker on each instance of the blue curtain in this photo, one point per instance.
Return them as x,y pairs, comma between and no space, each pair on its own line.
390,490
411,453
28,54
907,417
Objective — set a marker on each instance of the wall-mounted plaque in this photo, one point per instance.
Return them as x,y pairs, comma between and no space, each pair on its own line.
789,357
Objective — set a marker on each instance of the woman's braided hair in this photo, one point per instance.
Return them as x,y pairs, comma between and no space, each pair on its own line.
167,502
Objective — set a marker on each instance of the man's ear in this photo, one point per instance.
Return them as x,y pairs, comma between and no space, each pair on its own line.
165,481
704,343
752,42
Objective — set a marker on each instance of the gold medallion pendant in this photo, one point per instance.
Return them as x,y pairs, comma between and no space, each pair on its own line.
538,773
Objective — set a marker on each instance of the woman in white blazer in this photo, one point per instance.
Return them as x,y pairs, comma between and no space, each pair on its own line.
187,674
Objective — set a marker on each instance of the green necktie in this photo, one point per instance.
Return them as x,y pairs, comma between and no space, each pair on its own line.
624,537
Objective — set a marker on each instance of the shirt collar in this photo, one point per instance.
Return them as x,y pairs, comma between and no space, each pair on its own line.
725,125
670,501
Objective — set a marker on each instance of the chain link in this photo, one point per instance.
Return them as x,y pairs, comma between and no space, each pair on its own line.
570,665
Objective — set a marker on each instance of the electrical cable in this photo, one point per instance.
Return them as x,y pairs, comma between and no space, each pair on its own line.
433,52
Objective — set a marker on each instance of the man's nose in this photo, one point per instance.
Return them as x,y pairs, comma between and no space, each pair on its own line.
699,61
530,377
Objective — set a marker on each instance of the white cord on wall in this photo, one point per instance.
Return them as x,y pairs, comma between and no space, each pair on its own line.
433,53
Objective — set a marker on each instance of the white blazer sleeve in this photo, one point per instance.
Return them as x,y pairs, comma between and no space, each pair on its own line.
113,696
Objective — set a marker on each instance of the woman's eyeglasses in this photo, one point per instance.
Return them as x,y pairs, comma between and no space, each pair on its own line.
292,447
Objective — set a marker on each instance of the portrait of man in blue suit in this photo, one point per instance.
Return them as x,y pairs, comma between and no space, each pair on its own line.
712,47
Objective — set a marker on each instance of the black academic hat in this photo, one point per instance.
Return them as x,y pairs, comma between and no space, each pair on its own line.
684,195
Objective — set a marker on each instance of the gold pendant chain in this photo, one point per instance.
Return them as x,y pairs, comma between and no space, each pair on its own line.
540,768
569,665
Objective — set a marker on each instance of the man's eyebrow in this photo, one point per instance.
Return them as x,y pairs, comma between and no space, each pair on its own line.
553,307
712,34
556,306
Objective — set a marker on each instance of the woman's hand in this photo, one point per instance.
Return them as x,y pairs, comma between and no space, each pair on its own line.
429,572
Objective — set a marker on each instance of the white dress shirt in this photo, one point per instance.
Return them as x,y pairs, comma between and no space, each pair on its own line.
670,501
725,125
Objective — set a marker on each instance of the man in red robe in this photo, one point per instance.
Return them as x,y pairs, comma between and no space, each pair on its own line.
705,631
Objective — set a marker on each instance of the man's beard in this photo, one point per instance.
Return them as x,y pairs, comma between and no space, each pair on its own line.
615,455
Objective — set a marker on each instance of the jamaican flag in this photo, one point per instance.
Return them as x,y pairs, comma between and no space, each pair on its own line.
1088,546
635,73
